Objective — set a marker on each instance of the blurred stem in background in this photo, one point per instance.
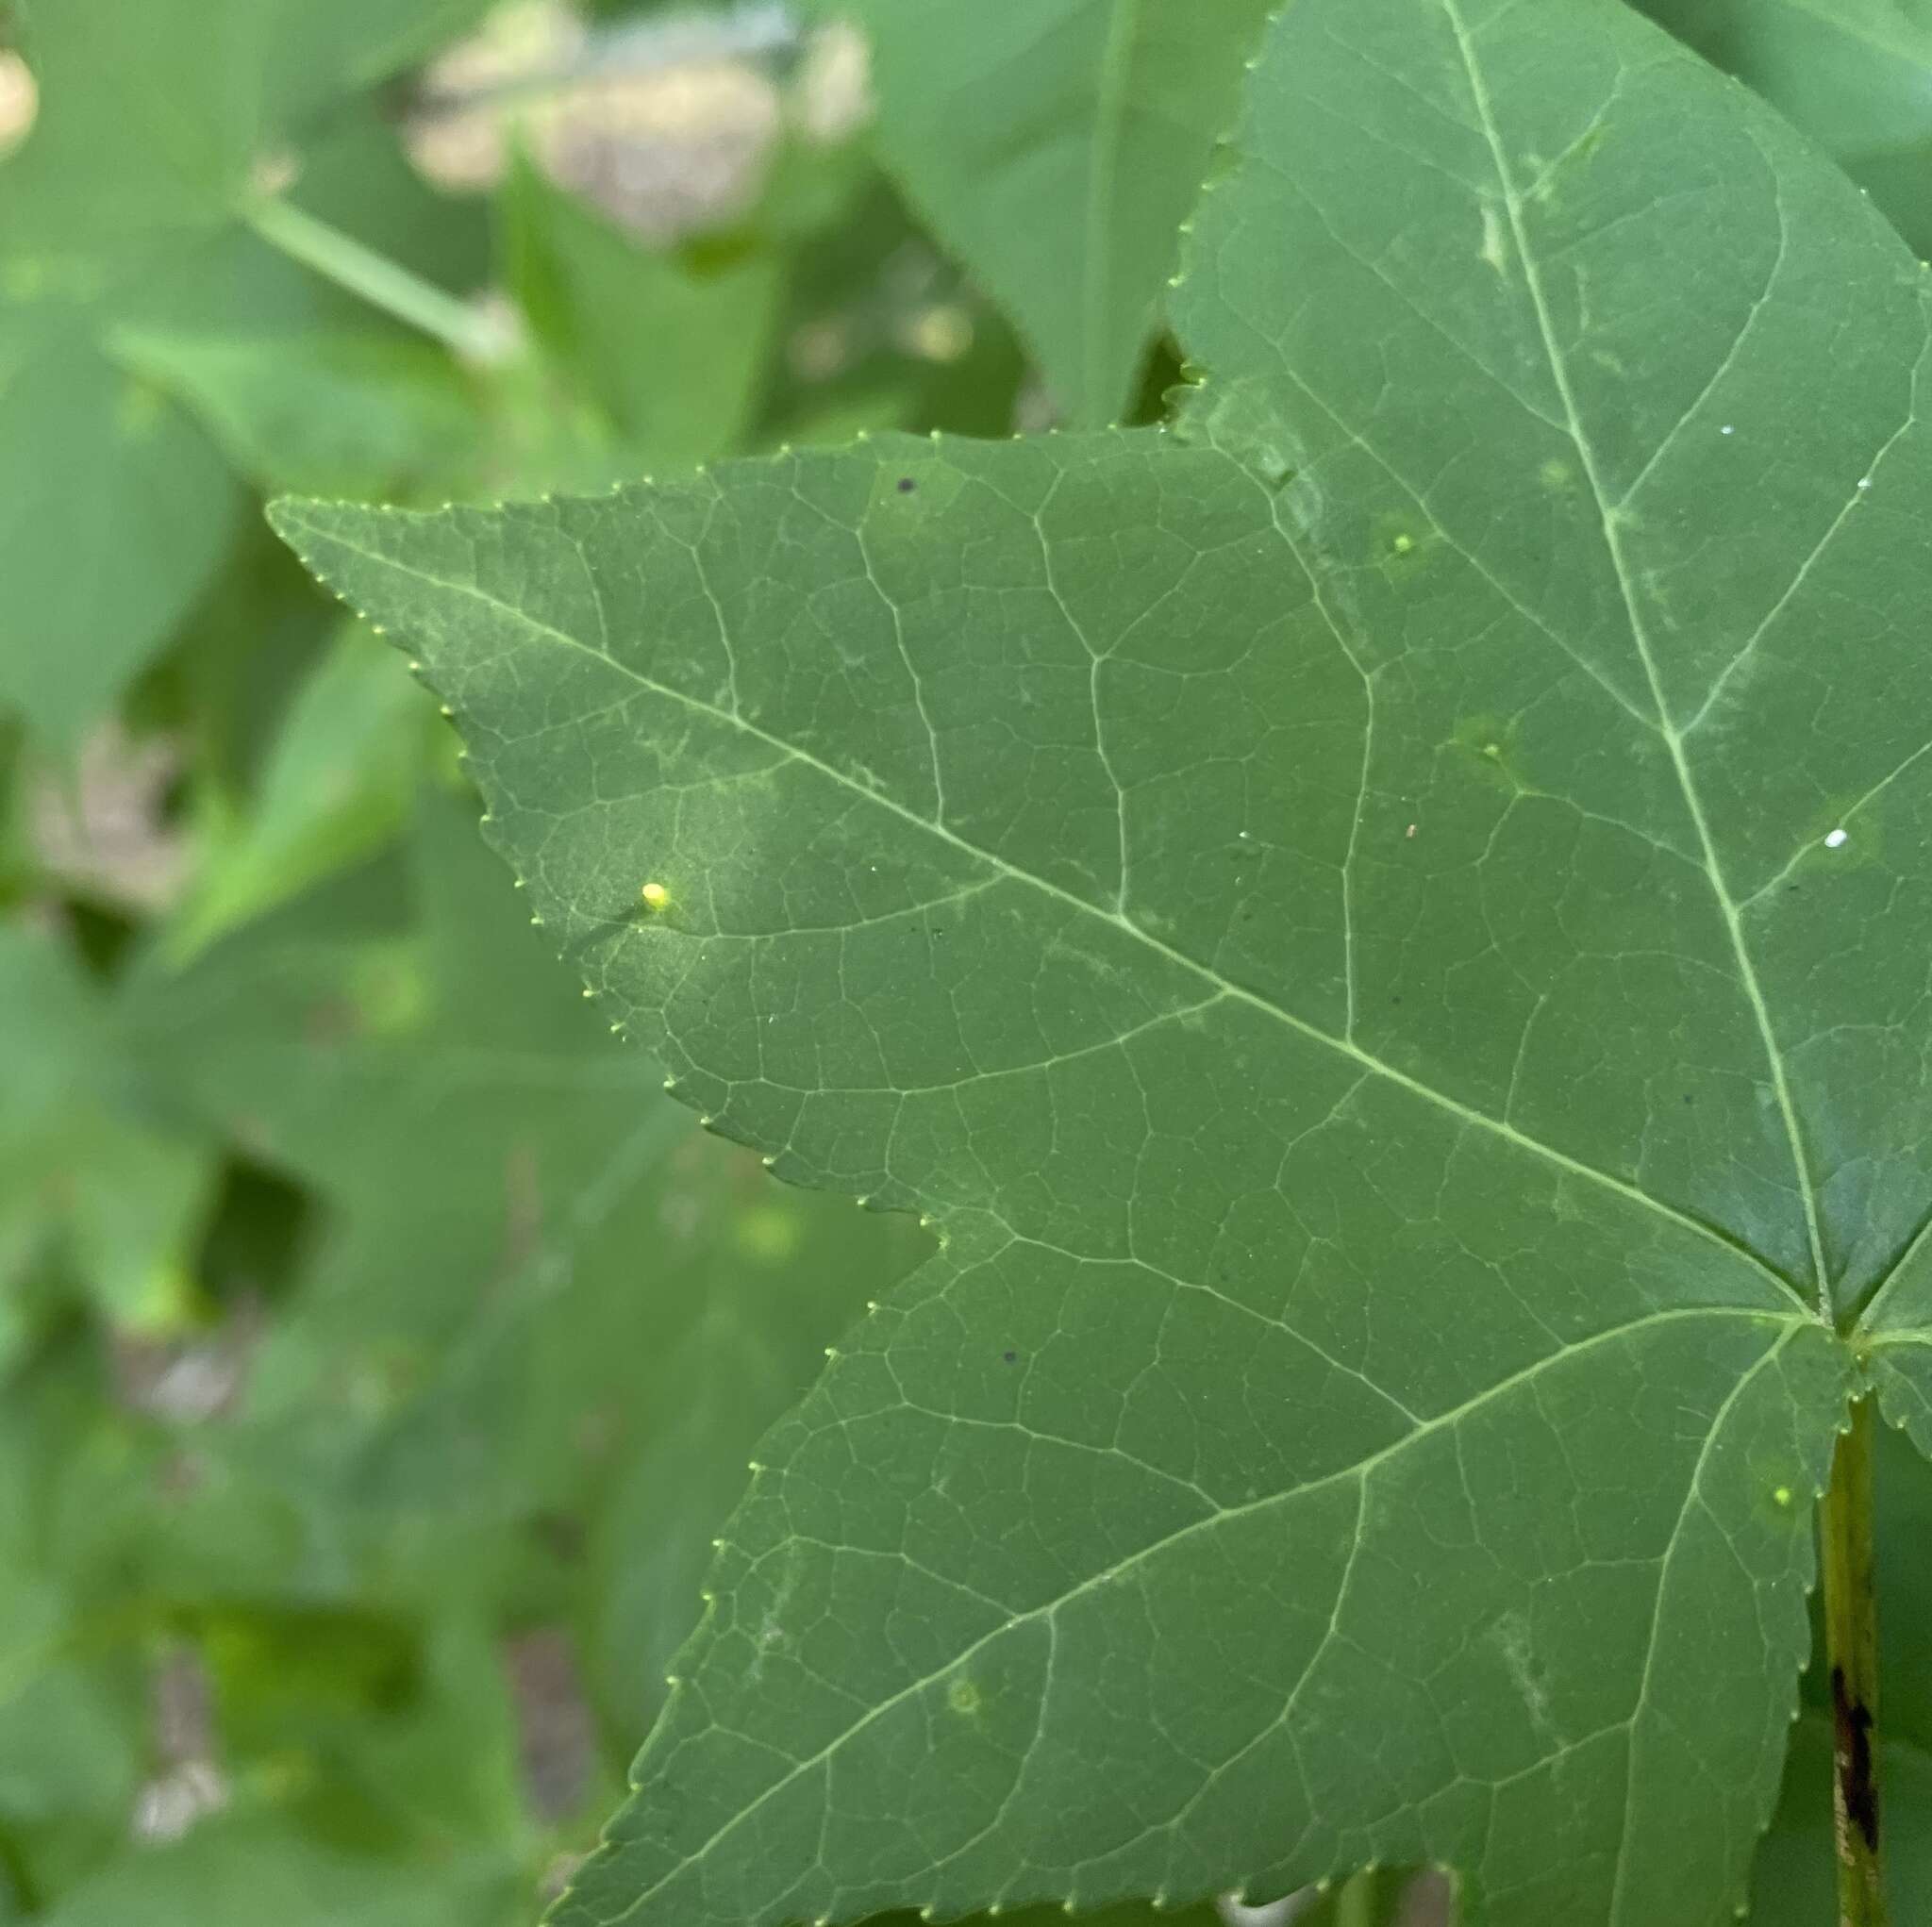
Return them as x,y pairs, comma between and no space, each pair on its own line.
468,331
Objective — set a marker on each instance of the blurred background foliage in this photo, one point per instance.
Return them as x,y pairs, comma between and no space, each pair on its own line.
378,1356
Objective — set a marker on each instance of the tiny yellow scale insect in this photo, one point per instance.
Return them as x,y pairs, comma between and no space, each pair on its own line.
655,896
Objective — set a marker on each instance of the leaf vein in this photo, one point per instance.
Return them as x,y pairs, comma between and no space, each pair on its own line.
1343,1046
1640,638
1046,1609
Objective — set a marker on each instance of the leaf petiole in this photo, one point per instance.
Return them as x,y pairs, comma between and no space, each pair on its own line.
1354,1907
461,327
1851,1648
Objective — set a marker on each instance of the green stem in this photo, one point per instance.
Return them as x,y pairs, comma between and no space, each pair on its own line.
1354,1905
1850,1651
376,279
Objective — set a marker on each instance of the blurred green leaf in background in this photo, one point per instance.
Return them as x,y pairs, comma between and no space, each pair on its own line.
1854,74
379,1359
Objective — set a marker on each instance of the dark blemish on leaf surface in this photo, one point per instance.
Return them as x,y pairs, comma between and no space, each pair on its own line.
1010,1358
1858,1791
906,485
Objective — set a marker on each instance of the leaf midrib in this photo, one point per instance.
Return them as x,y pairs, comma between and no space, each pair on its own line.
1640,635
1344,1046
1790,1324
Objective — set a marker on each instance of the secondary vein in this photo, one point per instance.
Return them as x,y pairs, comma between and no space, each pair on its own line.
1239,993
1362,1470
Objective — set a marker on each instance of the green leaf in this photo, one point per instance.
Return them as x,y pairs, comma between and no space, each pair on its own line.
533,1287
357,412
1054,145
1130,1916
1340,918
879,334
393,1736
72,1717
436,1084
84,1173
157,116
118,513
238,1873
1854,74
357,177
673,350
337,786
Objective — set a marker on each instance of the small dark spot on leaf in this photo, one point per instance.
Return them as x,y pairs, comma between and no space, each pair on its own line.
1395,1000
1689,1099
906,485
1010,1358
